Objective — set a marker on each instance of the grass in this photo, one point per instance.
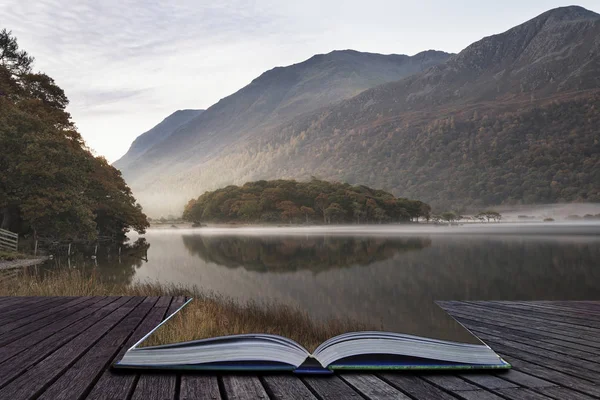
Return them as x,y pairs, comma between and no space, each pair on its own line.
208,315
7,255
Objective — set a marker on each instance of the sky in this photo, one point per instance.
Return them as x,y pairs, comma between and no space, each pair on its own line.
127,64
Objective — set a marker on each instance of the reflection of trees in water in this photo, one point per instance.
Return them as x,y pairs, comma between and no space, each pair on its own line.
497,269
315,253
108,266
401,292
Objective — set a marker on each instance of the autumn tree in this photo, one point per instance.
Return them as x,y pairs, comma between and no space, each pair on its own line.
321,204
358,211
334,213
50,183
289,210
308,212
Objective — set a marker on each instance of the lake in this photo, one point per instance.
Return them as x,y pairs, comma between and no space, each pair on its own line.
387,276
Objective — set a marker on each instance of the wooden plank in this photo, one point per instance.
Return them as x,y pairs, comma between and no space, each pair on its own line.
539,346
561,393
560,362
478,394
119,385
10,301
529,320
329,387
155,387
565,341
37,335
516,317
487,381
286,387
525,380
78,379
7,233
569,317
25,358
372,387
243,387
521,394
415,386
542,340
37,378
23,327
167,380
199,387
451,383
9,243
560,334
4,299
29,307
534,305
551,375
582,305
34,306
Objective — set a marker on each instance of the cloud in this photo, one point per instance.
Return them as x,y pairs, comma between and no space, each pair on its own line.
127,64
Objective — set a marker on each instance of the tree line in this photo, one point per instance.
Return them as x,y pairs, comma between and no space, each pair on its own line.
315,201
483,216
51,185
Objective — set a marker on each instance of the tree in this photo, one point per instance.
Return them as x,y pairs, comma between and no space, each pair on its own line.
334,212
357,211
321,204
308,212
448,216
488,215
425,211
51,184
379,215
289,210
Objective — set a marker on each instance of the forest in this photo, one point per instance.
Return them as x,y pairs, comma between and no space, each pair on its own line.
315,201
51,185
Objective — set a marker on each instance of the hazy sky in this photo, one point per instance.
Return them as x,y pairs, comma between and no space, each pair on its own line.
127,64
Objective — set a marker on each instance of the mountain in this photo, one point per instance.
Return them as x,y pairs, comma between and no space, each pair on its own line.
511,119
275,97
155,135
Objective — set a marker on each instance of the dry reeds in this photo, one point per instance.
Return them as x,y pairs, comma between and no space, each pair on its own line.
209,315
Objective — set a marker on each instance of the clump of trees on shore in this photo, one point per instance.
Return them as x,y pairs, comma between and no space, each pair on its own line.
50,183
316,201
483,216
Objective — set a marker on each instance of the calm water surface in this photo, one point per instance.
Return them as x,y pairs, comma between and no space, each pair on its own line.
387,276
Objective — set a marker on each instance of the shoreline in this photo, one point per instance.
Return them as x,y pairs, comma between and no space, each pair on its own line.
27,262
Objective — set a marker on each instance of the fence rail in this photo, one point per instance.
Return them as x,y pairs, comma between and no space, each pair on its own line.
9,240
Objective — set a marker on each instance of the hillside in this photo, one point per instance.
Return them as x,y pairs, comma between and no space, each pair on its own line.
511,119
148,139
275,97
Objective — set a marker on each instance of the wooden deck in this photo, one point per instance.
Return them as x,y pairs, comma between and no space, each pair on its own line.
61,348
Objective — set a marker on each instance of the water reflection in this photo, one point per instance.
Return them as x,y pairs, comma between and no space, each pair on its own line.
314,253
389,281
107,263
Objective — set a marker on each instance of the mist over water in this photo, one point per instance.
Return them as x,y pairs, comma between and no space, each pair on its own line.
388,276
585,228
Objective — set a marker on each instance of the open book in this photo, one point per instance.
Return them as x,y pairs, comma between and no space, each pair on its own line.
348,351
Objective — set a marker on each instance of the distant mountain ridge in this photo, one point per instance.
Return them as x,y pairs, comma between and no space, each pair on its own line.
276,96
513,118
147,140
